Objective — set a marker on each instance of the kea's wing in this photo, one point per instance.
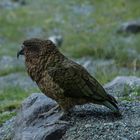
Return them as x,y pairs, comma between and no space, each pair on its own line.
77,82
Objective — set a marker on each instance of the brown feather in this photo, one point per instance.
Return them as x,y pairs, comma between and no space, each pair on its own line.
61,79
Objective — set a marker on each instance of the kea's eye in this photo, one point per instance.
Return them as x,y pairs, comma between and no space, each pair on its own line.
33,49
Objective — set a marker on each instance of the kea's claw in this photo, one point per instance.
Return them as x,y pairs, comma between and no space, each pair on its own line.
50,112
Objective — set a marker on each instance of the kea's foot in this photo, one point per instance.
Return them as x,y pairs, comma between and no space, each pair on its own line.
59,122
50,112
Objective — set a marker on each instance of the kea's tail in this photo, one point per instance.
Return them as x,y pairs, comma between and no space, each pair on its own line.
111,103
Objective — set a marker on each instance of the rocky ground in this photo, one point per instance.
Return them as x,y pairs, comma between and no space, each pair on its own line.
101,36
91,123
88,122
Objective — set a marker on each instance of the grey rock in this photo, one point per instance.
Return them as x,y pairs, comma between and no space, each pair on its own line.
2,40
88,122
83,9
17,80
21,2
8,4
7,131
8,62
101,66
30,126
124,86
10,76
34,32
94,65
92,122
57,40
130,27
59,19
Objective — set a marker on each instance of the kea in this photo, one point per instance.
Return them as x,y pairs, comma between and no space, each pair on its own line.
62,79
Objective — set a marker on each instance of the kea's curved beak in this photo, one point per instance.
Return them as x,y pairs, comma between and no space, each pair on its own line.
21,52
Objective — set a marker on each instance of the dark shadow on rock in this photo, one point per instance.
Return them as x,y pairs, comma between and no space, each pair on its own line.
132,27
29,125
99,115
21,2
95,113
99,123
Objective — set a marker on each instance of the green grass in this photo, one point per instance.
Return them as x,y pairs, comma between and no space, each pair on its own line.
92,33
131,92
6,116
10,100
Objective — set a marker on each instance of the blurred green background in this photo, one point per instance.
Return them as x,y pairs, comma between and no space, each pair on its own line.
89,30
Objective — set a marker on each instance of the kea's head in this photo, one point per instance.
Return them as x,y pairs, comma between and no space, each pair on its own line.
33,48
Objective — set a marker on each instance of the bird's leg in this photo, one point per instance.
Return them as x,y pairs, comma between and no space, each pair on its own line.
48,113
59,122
